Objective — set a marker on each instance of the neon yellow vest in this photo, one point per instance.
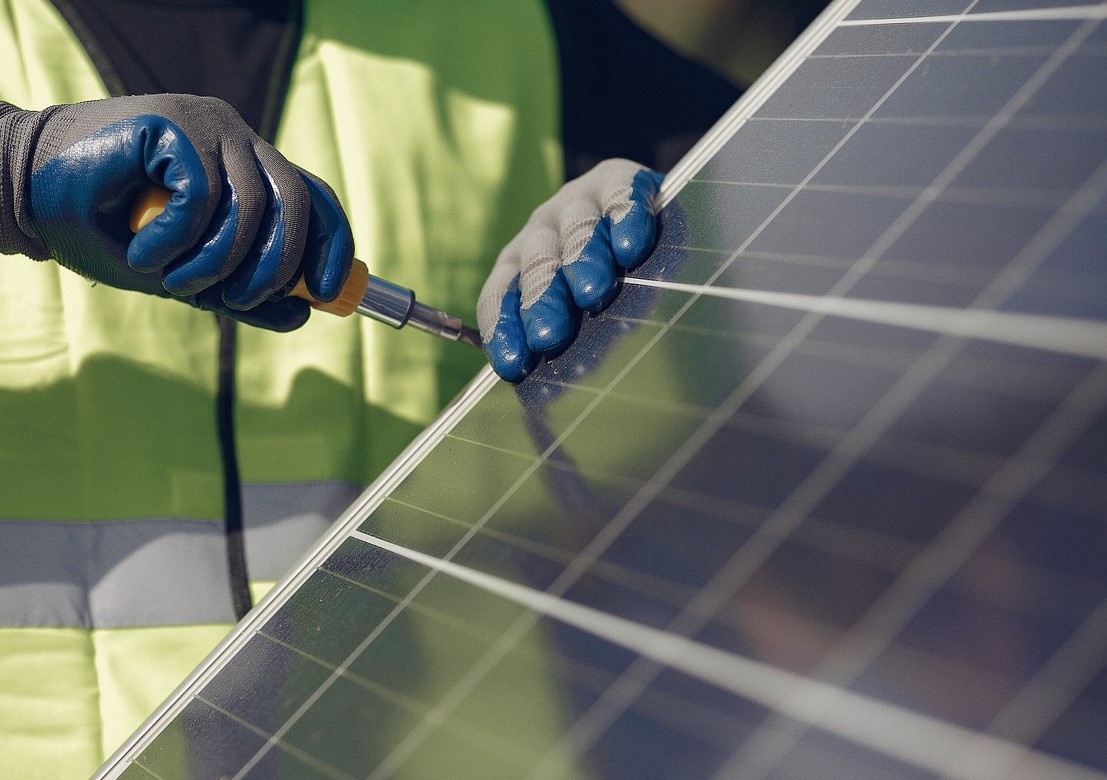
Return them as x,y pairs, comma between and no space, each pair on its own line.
436,123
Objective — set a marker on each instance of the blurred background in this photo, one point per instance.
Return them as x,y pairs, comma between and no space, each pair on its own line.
736,38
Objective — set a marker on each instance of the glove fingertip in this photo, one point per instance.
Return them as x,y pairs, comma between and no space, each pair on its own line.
510,360
338,257
508,353
172,161
634,236
551,321
163,240
329,249
591,277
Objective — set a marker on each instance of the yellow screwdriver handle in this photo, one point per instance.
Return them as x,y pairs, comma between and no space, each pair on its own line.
151,202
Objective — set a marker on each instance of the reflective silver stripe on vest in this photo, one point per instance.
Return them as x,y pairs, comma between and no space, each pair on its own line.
118,574
142,573
282,521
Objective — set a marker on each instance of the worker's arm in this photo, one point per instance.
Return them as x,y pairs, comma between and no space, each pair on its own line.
566,260
242,224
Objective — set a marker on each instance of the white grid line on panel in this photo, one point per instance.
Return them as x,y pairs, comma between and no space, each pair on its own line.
382,765
943,181
339,671
1084,338
947,464
301,755
934,566
783,521
917,739
950,173
581,563
754,97
779,526
436,714
679,459
149,772
794,509
1038,705
393,695
1040,198
1062,13
1004,284
644,583
614,530
226,650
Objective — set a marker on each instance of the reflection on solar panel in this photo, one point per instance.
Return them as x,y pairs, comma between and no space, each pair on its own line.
822,495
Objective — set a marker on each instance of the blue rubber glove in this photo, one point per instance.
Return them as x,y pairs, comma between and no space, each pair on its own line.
241,226
566,260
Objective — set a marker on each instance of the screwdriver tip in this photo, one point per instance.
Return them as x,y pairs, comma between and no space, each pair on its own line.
470,336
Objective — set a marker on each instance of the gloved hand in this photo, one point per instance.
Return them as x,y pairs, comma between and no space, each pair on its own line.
242,225
566,260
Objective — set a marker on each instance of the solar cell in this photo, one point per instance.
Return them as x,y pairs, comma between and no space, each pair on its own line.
820,495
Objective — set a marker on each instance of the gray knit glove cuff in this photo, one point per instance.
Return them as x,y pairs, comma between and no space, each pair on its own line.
18,130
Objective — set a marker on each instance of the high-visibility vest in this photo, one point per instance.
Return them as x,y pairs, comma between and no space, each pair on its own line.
437,125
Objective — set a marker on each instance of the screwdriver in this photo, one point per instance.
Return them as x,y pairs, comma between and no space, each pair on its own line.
364,293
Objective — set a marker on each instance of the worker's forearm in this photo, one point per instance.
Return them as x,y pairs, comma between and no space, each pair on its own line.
18,130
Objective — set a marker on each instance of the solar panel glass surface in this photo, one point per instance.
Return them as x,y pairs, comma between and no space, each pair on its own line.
822,494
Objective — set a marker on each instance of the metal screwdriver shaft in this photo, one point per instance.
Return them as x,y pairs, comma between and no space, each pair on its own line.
395,305
368,295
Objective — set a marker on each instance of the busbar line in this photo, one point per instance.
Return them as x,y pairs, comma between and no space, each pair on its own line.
1075,12
1064,335
920,740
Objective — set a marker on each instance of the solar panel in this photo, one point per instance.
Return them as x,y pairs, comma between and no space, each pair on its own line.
822,494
